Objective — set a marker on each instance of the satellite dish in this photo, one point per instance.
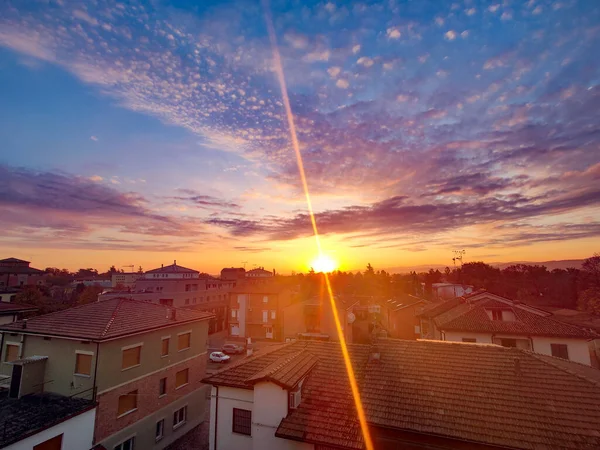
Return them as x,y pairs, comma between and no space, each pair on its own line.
351,318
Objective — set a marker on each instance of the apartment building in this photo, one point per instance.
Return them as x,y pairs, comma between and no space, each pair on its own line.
415,395
179,286
141,362
16,272
256,310
125,279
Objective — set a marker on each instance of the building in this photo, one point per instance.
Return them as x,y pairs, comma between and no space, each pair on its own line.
260,272
125,280
233,273
313,319
483,317
256,310
180,287
8,295
43,421
10,312
16,272
93,281
403,322
415,394
450,290
141,362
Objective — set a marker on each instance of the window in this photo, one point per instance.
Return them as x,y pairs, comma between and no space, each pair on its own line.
165,346
51,444
160,429
187,301
179,417
162,387
184,341
266,299
83,364
131,357
508,342
127,403
234,313
469,340
496,314
273,314
265,316
242,421
12,352
166,301
560,350
129,444
187,288
181,378
295,397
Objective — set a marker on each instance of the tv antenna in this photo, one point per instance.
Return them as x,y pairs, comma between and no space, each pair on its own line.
131,266
244,263
458,256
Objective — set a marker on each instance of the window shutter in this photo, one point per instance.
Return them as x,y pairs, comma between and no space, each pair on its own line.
131,357
83,364
127,402
12,353
181,377
183,341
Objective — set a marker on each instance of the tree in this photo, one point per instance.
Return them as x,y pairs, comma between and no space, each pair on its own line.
30,295
370,270
89,295
112,270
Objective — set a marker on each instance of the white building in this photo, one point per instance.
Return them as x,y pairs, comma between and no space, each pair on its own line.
125,279
450,290
491,319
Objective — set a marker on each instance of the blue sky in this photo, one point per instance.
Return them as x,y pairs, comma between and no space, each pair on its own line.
136,132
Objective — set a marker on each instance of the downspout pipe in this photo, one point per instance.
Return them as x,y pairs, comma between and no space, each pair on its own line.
216,415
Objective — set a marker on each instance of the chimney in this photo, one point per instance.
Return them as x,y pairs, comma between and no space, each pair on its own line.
162,265
375,354
24,324
174,262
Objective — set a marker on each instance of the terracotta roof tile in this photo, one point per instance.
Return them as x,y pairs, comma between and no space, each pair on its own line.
286,371
6,308
107,319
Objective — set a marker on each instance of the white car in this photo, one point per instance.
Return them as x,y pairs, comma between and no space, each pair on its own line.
219,357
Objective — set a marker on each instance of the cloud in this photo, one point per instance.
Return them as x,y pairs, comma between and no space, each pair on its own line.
94,138
494,8
506,15
356,49
317,55
191,197
365,61
82,15
450,35
342,84
439,21
96,178
393,33
470,11
334,71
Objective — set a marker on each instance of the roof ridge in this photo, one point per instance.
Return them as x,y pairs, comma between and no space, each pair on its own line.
112,317
549,360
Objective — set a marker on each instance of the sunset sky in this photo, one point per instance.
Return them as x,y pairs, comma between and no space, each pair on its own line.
140,133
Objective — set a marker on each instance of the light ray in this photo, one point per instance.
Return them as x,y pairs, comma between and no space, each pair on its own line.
290,120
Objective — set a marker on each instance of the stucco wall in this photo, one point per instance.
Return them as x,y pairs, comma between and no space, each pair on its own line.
229,398
578,349
60,367
77,433
9,318
270,406
109,369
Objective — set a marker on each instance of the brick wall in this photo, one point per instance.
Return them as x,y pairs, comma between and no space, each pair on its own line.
148,400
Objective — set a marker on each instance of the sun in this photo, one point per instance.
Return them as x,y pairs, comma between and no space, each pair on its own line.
324,263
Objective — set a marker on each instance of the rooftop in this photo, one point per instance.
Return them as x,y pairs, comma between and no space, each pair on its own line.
13,308
473,317
509,397
28,415
107,319
173,268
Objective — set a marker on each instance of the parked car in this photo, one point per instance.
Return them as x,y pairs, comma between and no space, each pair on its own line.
219,357
232,349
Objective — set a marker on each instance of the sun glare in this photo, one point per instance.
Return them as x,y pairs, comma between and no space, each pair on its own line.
324,264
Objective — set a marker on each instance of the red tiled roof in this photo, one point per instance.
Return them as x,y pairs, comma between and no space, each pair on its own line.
471,392
438,308
286,371
482,393
472,317
173,268
6,308
107,319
